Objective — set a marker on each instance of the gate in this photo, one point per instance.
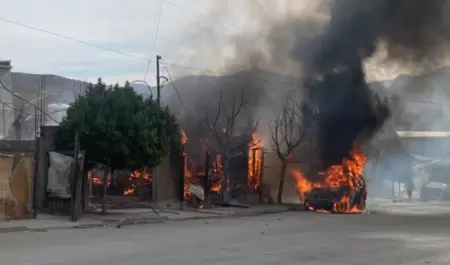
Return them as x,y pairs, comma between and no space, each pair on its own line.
237,177
16,178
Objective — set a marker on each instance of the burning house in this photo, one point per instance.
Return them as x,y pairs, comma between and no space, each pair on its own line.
205,176
123,186
327,52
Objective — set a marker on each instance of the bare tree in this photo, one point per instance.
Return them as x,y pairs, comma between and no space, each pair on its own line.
223,128
288,132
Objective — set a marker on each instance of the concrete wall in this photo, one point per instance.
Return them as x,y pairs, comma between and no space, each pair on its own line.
14,146
6,113
164,183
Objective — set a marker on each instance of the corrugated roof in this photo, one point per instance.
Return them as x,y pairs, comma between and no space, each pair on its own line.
423,134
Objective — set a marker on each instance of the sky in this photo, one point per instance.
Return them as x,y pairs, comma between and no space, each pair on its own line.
126,26
132,27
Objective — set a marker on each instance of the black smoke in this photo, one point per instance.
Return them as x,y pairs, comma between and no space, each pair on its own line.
410,30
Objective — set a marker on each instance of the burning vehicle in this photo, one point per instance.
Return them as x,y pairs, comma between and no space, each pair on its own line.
340,189
336,200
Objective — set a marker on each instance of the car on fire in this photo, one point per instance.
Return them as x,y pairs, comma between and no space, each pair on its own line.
336,200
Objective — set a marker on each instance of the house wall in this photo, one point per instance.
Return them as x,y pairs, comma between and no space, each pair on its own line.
164,183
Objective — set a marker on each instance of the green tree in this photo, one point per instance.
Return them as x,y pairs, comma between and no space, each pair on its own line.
117,128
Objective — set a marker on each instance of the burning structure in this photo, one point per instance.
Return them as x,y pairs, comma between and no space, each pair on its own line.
327,50
350,113
136,183
205,174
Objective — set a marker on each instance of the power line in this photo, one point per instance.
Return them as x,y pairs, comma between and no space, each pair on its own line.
71,39
209,15
26,101
94,45
28,114
158,23
176,89
155,33
206,71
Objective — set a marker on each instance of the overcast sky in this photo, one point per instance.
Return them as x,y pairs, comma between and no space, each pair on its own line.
127,26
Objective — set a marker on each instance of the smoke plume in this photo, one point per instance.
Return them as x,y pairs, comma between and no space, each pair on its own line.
326,45
334,63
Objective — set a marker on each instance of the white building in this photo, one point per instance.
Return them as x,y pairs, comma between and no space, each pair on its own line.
6,113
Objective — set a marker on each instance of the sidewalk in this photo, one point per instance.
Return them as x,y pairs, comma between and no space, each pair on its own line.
124,217
408,207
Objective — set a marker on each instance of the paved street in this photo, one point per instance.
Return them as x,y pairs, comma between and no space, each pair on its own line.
289,238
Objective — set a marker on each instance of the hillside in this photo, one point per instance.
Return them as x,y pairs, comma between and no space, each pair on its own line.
422,104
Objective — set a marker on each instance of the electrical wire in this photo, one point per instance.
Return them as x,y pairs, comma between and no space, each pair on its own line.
209,15
26,101
157,27
175,88
29,114
202,70
155,33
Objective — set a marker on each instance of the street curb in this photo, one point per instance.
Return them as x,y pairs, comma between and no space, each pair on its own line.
152,220
14,229
238,214
143,220
19,229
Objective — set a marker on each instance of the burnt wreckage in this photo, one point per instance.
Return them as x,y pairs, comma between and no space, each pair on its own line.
331,199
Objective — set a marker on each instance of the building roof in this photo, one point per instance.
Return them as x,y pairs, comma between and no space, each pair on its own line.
423,134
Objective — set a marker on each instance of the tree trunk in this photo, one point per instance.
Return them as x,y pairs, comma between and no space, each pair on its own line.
141,188
224,184
281,185
206,188
105,188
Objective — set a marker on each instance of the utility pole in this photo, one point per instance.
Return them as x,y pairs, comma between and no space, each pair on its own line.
4,119
158,79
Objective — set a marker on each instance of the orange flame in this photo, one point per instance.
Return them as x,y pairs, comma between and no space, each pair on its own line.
96,180
348,174
184,138
136,177
255,155
194,171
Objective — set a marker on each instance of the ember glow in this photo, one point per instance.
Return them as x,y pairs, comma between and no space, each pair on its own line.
346,176
255,155
135,179
96,180
195,171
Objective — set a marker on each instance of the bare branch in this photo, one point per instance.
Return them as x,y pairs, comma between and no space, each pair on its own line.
288,130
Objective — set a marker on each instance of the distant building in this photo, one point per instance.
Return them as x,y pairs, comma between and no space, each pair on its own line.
6,113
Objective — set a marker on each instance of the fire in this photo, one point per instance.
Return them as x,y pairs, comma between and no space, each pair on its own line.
129,191
255,155
195,171
96,180
195,167
184,138
137,177
216,174
346,175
